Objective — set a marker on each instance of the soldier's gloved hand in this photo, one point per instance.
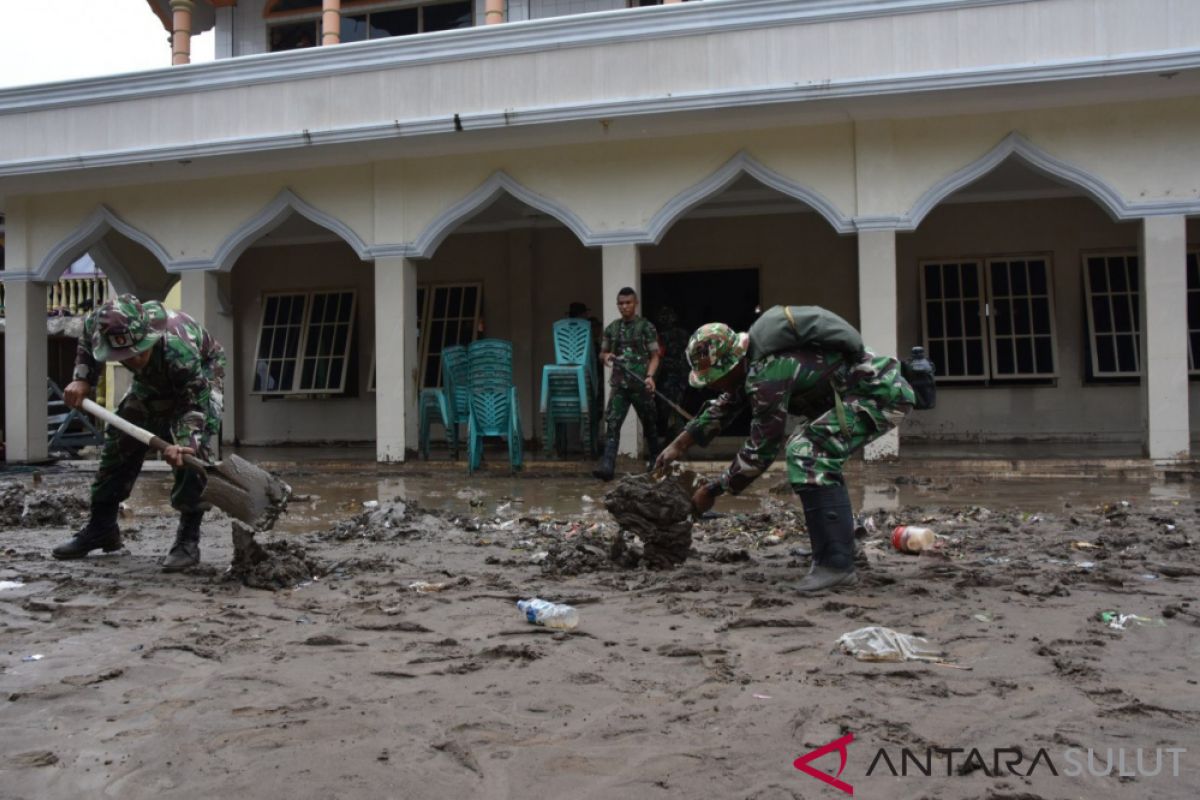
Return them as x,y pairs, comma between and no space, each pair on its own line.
174,454
75,393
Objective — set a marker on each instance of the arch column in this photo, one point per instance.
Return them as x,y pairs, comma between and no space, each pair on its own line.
397,374
200,298
877,314
181,31
331,22
622,265
1163,263
25,371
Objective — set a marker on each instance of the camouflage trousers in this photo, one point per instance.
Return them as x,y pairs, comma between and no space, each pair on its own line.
620,400
872,406
122,456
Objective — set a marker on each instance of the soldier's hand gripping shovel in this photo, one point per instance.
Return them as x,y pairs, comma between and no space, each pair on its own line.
237,487
674,406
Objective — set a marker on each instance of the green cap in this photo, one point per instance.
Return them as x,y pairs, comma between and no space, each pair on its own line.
122,330
713,351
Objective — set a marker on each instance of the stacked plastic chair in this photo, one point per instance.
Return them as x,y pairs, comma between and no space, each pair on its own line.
448,406
568,385
494,410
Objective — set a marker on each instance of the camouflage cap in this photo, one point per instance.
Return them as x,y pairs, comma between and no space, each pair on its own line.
122,330
713,351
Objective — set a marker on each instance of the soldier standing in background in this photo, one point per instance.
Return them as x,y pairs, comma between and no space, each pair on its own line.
673,370
633,340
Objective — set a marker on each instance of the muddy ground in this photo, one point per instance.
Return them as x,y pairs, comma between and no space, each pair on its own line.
405,670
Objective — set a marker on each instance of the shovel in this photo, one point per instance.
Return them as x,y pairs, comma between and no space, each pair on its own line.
674,406
237,487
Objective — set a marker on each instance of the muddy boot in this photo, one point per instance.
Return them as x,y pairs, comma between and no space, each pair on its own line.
608,463
831,531
185,552
101,533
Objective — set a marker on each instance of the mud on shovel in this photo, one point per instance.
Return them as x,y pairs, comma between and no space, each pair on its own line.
245,492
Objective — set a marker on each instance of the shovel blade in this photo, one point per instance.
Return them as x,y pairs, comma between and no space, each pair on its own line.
247,492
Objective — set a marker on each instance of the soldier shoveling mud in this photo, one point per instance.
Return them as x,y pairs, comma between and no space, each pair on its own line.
807,361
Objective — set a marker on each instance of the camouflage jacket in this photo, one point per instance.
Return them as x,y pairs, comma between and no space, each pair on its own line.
634,342
799,382
185,375
674,367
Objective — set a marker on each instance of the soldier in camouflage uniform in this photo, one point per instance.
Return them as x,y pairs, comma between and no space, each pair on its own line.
806,361
673,371
634,341
176,395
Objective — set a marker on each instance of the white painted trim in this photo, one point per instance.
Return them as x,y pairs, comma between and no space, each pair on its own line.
556,33
697,101
498,183
1038,159
742,163
93,229
266,220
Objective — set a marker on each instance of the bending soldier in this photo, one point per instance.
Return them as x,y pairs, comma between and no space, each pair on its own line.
806,361
178,371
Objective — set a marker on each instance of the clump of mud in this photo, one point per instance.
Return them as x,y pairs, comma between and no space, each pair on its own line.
587,553
659,513
275,565
20,508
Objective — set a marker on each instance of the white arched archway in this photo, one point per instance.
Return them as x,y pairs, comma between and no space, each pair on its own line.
88,237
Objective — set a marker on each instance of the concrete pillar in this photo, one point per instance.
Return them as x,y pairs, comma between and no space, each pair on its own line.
181,31
200,298
622,266
1163,262
331,22
397,374
25,371
877,314
223,44
520,314
493,12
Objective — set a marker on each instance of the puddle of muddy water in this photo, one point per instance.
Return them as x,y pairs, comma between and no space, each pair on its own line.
323,500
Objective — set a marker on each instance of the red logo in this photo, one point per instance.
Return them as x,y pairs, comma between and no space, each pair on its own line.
802,763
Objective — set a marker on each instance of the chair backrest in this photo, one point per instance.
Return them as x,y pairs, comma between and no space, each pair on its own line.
455,379
573,342
489,364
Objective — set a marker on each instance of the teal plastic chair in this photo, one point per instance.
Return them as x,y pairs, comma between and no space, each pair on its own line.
493,406
448,406
568,385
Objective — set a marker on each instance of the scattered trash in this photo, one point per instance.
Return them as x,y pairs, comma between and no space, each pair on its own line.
34,657
876,643
586,499
426,587
762,697
1148,576
772,539
913,539
539,557
985,616
304,621
370,504
5,585
547,614
1119,622
802,551
1086,565
1085,546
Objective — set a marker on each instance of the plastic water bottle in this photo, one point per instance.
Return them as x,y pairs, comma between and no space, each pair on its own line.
913,539
551,615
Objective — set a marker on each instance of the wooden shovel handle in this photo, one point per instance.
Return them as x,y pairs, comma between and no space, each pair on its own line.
141,434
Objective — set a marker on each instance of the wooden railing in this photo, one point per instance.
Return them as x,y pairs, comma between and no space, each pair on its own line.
75,295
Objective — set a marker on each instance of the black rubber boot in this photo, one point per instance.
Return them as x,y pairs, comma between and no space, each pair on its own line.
608,463
831,530
185,552
101,533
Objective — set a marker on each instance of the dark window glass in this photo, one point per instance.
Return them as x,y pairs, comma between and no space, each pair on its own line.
1106,355
272,311
954,324
295,36
1132,272
970,280
1020,312
1037,277
1041,315
1122,319
1116,275
295,5
446,16
401,22
971,318
1024,356
1044,350
1096,275
951,277
1126,354
974,356
1000,280
469,298
1101,317
933,312
1004,357
1003,312
1019,284
933,281
354,29
937,353
955,351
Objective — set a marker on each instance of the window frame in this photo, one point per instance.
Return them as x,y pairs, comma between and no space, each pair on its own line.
1135,314
425,317
984,266
1192,260
309,296
353,8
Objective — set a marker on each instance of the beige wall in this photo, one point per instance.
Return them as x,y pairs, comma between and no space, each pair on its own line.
321,266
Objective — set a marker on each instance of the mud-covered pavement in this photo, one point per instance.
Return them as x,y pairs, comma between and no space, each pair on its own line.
405,670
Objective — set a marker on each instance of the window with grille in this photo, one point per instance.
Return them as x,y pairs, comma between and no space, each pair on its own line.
449,316
1013,295
302,27
304,343
1114,327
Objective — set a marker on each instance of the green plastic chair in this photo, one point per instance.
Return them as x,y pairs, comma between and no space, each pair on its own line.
568,385
448,406
493,406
